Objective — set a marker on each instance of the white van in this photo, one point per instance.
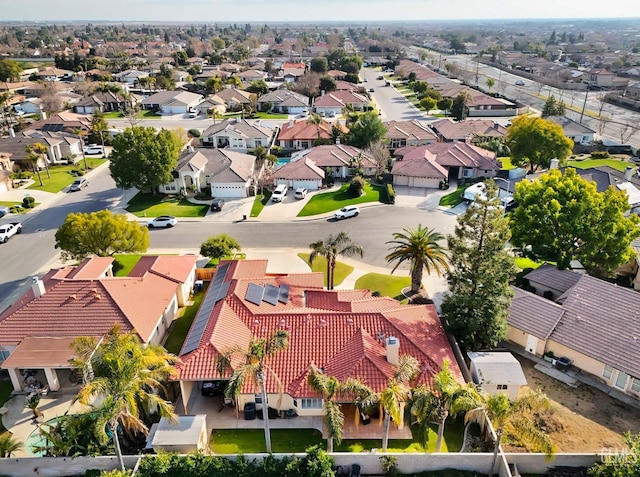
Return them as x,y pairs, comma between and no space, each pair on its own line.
474,191
279,193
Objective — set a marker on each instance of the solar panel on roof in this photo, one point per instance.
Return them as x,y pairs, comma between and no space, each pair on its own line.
283,295
271,294
222,291
254,293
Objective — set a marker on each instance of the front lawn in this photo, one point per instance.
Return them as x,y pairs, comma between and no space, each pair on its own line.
127,261
148,205
386,285
453,198
17,207
61,176
181,325
507,165
146,114
341,271
250,441
263,115
259,202
589,163
334,200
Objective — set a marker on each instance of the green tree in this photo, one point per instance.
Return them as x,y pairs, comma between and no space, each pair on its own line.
319,65
620,464
250,367
535,141
367,128
100,233
43,151
332,247
9,70
480,272
561,217
490,83
143,158
126,379
99,127
327,84
446,397
220,246
445,104
459,106
428,103
258,87
31,160
552,107
213,85
8,445
421,248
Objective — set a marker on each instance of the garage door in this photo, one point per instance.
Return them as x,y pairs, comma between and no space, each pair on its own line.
309,185
400,180
425,182
218,191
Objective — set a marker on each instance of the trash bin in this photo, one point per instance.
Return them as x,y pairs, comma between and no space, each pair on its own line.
198,285
244,217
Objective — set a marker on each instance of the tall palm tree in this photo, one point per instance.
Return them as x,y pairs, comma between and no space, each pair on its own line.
253,369
32,160
515,416
421,248
330,248
81,134
316,119
8,445
447,397
126,379
41,149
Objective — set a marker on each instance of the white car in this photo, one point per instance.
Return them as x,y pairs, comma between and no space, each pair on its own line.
163,221
280,192
300,193
93,149
346,212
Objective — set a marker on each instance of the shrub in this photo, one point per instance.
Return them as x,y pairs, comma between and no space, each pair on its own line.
391,194
193,133
443,185
376,293
389,465
599,155
356,186
28,202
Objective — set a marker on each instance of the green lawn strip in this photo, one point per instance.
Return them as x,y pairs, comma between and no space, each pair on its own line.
453,198
215,261
259,202
148,205
387,285
250,441
588,163
149,114
506,163
523,263
341,271
263,115
334,200
181,325
112,115
128,261
17,207
61,176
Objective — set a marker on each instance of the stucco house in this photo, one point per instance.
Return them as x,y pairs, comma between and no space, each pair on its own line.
284,101
338,157
335,102
575,131
104,102
60,146
238,135
87,300
300,173
497,372
172,102
235,99
300,135
227,173
408,133
131,77
448,130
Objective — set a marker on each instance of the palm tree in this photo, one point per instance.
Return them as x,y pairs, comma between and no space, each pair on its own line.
253,369
445,398
42,150
316,119
421,248
330,248
126,379
8,445
515,416
32,159
81,134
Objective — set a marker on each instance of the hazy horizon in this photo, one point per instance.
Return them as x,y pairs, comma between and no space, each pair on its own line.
304,11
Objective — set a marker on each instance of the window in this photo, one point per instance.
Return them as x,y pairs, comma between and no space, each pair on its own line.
311,403
635,383
258,142
257,399
607,372
467,173
502,387
4,355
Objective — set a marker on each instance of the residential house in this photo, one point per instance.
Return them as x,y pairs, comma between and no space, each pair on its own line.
252,75
226,173
406,67
301,135
64,121
284,101
346,333
212,104
15,148
172,102
408,133
104,102
67,145
335,102
300,173
87,300
448,130
548,281
426,166
235,99
51,73
592,325
130,77
600,77
238,135
30,106
337,74
497,372
575,131
339,157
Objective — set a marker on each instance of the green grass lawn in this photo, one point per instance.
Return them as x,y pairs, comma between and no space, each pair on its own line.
128,261
61,176
17,207
506,163
181,325
263,115
588,163
334,200
148,205
453,198
259,202
341,271
387,285
215,261
146,114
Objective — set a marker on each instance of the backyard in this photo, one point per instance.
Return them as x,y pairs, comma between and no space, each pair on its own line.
181,325
61,176
334,200
149,205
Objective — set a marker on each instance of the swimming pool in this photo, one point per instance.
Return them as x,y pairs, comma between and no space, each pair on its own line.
35,439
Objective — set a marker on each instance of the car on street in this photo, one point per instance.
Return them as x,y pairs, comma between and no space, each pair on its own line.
212,388
300,193
9,230
78,184
380,77
280,193
163,221
371,90
93,149
217,204
4,210
346,212
519,83
194,114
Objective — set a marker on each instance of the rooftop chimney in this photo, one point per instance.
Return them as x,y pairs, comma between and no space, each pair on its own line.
628,173
290,123
393,350
37,286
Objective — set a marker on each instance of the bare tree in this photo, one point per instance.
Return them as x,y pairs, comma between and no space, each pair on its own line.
603,119
130,111
602,98
627,130
308,84
380,155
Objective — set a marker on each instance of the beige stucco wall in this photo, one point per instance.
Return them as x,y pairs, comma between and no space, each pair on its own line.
519,337
540,289
286,403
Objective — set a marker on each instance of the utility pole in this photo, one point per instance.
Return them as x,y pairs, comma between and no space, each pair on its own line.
584,105
477,71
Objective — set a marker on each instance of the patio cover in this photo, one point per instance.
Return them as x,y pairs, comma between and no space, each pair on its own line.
35,352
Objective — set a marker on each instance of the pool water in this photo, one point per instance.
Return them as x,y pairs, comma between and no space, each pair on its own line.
282,161
35,439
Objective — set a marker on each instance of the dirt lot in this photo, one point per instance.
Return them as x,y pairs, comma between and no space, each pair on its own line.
583,419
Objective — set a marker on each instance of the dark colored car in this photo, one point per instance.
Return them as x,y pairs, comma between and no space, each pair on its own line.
217,204
249,411
212,388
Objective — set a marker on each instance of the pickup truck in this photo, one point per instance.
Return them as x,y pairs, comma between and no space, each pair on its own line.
9,230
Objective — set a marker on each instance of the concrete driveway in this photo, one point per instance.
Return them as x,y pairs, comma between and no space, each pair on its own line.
418,197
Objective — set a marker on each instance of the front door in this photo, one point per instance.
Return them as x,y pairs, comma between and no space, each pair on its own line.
532,344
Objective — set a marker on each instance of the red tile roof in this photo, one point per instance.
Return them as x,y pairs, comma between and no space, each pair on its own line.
305,130
91,268
177,268
341,331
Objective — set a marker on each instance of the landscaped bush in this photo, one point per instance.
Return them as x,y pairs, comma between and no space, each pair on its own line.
193,133
391,194
22,175
356,186
28,202
599,155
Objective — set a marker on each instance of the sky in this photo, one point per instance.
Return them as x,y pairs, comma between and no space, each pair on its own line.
258,11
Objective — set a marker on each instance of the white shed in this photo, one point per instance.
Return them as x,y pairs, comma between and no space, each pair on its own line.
497,372
188,434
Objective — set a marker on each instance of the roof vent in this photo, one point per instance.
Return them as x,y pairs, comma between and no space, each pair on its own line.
350,321
98,296
322,322
72,297
256,322
283,324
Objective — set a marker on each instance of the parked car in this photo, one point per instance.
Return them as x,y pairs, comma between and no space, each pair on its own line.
93,149
4,210
78,184
346,212
163,221
194,114
212,388
371,90
380,77
280,192
249,411
300,193
217,204
519,83
331,114
9,230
